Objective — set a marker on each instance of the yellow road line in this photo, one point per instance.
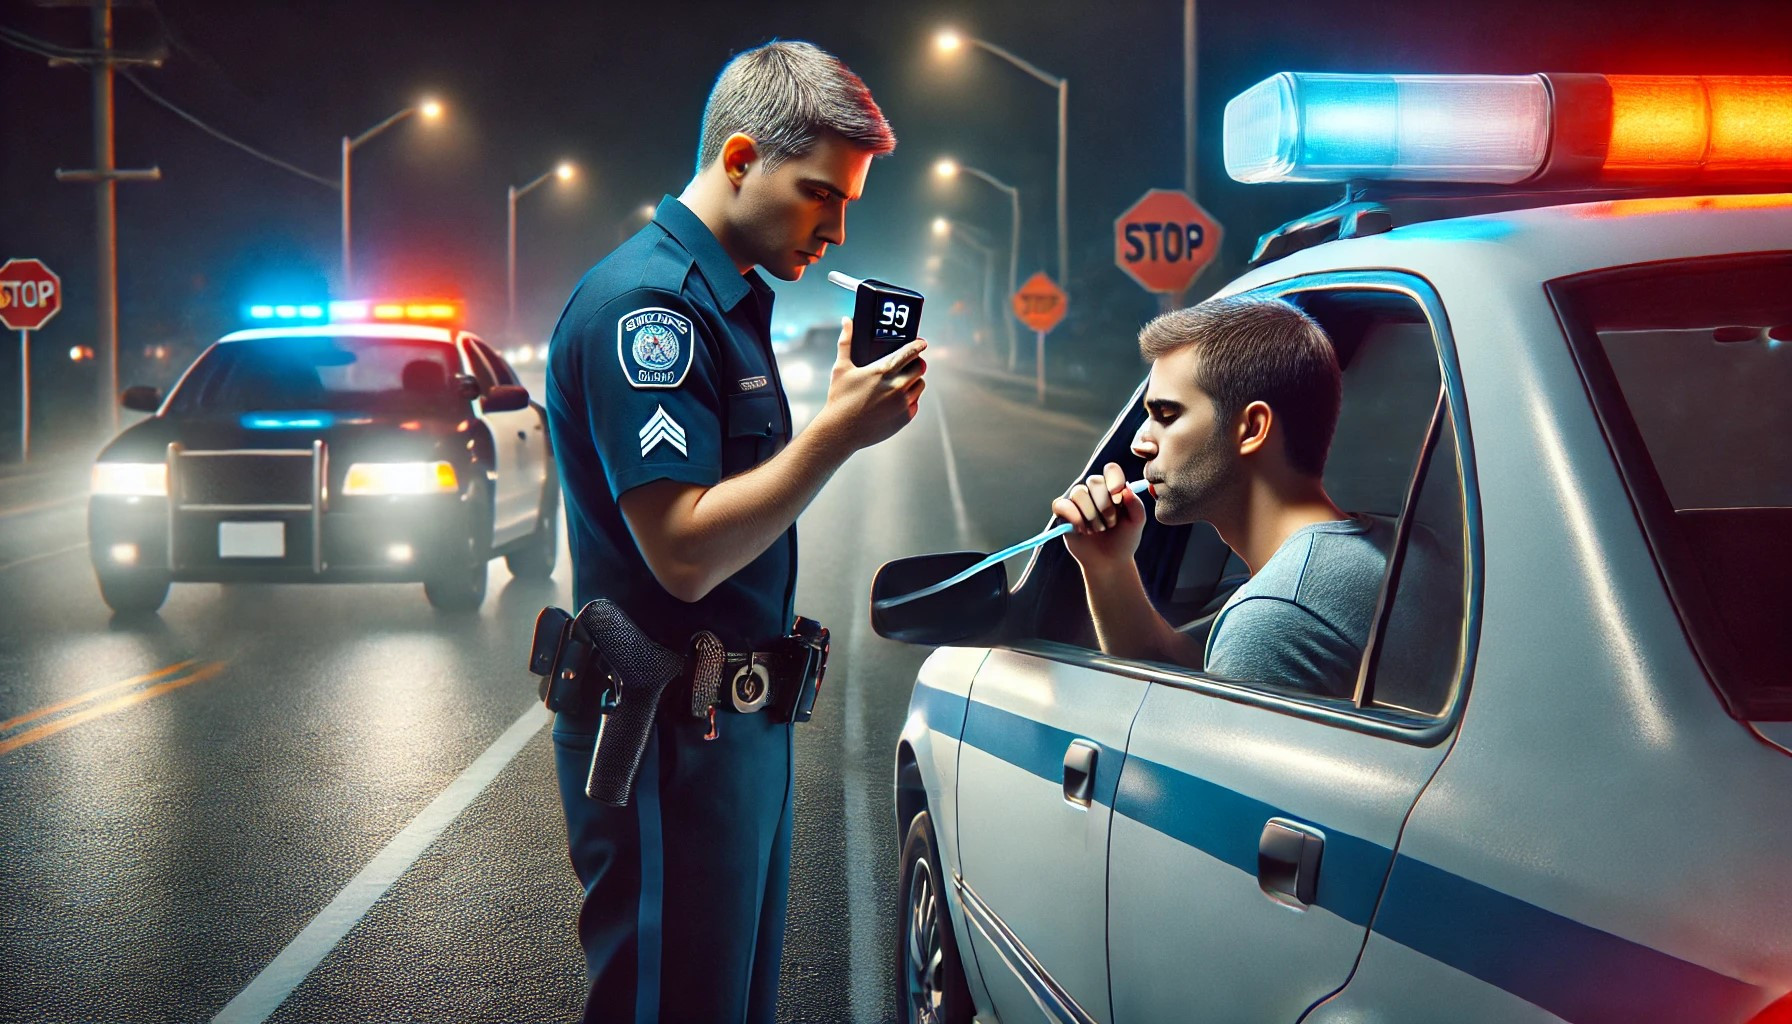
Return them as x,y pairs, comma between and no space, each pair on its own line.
92,694
87,714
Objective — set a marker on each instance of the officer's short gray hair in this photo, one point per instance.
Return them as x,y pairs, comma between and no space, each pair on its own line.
784,95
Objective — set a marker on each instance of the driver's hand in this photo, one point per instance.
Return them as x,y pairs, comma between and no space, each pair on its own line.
1109,520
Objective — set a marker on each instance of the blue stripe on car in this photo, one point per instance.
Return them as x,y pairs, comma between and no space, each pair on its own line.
1574,971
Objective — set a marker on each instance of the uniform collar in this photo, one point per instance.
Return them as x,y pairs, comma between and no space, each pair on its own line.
713,262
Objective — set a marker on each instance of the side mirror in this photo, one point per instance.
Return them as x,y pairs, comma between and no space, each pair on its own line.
506,398
972,608
141,398
466,386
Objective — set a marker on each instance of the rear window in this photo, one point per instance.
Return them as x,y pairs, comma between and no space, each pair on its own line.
1691,366
327,373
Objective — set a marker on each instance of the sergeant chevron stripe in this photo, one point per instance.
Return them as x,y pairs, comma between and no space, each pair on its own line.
662,427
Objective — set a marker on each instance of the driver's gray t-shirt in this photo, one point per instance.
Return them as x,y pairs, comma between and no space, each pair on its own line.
1303,619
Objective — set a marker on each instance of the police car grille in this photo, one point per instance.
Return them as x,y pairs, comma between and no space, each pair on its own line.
245,479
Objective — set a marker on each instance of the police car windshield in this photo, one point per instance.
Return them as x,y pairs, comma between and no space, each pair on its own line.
334,373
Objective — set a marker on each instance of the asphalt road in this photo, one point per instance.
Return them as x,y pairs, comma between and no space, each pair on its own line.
334,803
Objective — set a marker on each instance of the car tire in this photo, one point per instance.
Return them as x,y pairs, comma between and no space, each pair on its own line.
462,589
536,560
134,594
930,982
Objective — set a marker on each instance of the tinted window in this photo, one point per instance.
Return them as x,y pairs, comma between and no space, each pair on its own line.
500,369
482,370
1691,365
368,374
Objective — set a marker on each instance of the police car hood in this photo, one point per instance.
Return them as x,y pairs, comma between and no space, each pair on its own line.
373,436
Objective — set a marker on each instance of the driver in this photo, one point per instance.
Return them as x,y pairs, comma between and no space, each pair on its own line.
1241,405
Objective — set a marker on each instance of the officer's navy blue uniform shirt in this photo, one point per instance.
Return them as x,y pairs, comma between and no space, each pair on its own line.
661,369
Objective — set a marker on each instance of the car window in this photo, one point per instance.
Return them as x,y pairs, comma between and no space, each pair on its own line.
1392,385
1690,365
500,369
323,373
482,370
1414,658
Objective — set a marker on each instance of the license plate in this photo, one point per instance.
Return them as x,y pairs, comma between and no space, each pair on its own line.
251,540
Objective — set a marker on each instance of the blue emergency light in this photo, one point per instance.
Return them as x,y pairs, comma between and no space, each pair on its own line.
1505,129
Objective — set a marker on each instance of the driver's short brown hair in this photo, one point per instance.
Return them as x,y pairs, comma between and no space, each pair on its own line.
1256,349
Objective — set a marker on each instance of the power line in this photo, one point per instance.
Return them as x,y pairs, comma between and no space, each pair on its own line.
155,97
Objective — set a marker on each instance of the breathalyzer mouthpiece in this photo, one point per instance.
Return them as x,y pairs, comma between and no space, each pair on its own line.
845,281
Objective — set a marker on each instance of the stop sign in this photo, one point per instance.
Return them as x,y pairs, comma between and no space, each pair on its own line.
29,294
1040,303
1164,240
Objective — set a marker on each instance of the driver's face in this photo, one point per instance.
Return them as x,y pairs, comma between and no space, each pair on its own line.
1188,457
791,214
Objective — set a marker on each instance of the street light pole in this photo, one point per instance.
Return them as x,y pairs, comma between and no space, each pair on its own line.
980,244
1062,86
431,110
948,168
564,172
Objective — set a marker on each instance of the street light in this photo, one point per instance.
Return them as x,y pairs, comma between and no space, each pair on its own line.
948,168
431,110
950,42
564,172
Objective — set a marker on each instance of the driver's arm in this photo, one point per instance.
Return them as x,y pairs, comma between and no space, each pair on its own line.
1126,624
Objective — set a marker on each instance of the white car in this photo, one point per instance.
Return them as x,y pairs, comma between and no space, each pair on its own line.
1563,788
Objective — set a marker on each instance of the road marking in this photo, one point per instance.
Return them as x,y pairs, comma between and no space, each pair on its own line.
39,558
952,488
294,964
91,694
88,714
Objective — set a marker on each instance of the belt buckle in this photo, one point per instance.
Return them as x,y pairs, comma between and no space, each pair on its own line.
751,686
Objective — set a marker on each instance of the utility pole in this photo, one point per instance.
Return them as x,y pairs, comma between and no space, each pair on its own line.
106,175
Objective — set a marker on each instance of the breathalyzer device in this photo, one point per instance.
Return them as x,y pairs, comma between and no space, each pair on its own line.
885,317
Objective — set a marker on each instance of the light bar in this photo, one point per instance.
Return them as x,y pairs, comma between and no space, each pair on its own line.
1554,129
359,310
1312,127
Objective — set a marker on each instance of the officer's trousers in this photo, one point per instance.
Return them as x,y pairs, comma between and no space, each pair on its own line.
685,887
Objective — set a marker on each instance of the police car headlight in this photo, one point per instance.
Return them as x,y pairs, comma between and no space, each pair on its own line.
798,375
135,479
369,478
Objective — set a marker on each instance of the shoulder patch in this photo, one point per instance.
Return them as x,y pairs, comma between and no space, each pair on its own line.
655,347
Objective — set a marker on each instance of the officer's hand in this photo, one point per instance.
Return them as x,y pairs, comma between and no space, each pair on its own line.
1109,519
867,404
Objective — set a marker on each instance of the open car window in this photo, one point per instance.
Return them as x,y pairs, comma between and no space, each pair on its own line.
1393,458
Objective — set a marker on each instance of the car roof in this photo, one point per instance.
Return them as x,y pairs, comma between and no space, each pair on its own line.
1545,243
414,332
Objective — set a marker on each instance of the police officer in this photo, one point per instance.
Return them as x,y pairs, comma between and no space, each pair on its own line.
682,487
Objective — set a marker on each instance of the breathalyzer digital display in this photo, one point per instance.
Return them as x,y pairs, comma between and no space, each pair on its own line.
885,317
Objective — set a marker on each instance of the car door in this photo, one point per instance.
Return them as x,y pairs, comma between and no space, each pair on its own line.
1043,743
1254,823
512,513
532,462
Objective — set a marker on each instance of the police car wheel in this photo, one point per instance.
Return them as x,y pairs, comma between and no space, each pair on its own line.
462,587
536,560
138,593
929,976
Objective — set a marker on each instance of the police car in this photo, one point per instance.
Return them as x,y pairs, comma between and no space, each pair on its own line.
362,441
1562,790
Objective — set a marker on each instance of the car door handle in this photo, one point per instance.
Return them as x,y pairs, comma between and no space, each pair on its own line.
522,435
1288,861
1079,772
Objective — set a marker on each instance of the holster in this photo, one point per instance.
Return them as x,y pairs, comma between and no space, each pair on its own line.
601,662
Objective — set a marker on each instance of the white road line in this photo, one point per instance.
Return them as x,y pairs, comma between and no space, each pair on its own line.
39,558
301,956
41,506
958,511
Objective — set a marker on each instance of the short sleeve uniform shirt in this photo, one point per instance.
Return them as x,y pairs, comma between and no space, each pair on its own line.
661,369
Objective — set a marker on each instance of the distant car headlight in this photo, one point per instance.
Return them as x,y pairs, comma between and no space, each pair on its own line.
798,375
135,479
368,478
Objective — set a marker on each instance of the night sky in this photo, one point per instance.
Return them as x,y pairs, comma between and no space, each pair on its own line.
619,89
